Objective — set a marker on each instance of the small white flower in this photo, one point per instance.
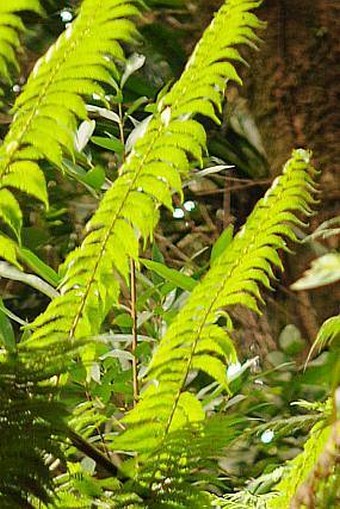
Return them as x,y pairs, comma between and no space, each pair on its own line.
267,436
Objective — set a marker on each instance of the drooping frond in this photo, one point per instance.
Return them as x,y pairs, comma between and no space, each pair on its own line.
312,478
194,340
10,28
147,180
46,113
180,474
31,424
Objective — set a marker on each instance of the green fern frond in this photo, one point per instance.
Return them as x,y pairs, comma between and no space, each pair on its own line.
46,113
10,28
32,425
184,470
186,466
289,425
77,489
297,471
194,340
151,173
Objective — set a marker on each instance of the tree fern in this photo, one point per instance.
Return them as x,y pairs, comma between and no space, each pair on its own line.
46,113
194,341
147,180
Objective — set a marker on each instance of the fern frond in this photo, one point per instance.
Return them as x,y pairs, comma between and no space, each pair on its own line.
244,500
31,425
77,489
46,113
10,28
321,488
180,473
194,340
289,425
151,173
301,470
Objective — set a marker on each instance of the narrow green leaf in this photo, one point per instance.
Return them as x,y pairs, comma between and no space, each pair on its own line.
179,279
113,144
95,177
222,243
7,337
39,267
10,272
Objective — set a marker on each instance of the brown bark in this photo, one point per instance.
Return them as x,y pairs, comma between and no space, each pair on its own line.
293,84
292,88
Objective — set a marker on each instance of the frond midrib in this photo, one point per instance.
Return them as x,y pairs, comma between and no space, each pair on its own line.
237,264
109,232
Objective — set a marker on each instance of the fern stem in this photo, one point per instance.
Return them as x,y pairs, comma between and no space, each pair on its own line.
134,332
92,452
121,128
133,287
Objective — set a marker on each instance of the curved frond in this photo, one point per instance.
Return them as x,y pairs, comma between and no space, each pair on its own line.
32,424
311,479
151,173
46,113
182,472
194,340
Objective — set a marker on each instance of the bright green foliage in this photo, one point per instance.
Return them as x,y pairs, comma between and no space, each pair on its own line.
185,467
175,446
10,28
181,470
46,113
147,180
195,341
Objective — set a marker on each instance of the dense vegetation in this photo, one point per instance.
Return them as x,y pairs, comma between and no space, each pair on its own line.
125,378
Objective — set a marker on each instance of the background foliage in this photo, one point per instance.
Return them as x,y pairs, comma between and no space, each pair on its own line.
135,371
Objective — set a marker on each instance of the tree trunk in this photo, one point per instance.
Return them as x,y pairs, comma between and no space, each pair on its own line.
293,87
293,84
